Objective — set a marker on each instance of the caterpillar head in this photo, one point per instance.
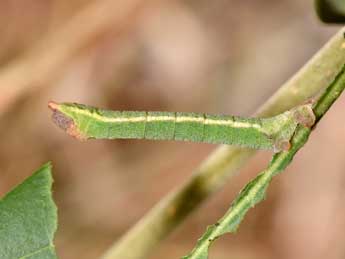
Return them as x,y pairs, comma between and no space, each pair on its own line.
64,122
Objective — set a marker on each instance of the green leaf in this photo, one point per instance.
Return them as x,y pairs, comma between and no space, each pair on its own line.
28,219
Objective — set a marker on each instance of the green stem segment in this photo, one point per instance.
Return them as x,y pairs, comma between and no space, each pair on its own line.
330,95
255,190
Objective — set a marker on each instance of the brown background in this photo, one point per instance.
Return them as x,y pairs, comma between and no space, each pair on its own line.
216,56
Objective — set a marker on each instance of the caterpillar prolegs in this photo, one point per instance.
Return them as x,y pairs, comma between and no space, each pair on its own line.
86,122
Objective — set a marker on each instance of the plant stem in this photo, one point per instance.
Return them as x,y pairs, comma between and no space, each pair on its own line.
139,241
255,190
330,96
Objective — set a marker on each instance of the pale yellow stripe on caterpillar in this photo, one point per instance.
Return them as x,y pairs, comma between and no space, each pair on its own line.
101,118
232,123
160,118
85,122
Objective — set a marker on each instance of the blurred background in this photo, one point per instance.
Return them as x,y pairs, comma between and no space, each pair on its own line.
221,56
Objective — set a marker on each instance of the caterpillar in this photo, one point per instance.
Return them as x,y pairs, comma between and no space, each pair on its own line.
86,122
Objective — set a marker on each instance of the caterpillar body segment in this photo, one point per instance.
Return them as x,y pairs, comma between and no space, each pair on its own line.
85,122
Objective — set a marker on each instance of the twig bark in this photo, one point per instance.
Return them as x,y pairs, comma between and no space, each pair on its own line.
212,174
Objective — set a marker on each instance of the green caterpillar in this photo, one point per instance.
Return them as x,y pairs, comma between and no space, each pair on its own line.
85,122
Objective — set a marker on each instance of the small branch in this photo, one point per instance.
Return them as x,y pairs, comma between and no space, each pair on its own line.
255,191
139,241
331,94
